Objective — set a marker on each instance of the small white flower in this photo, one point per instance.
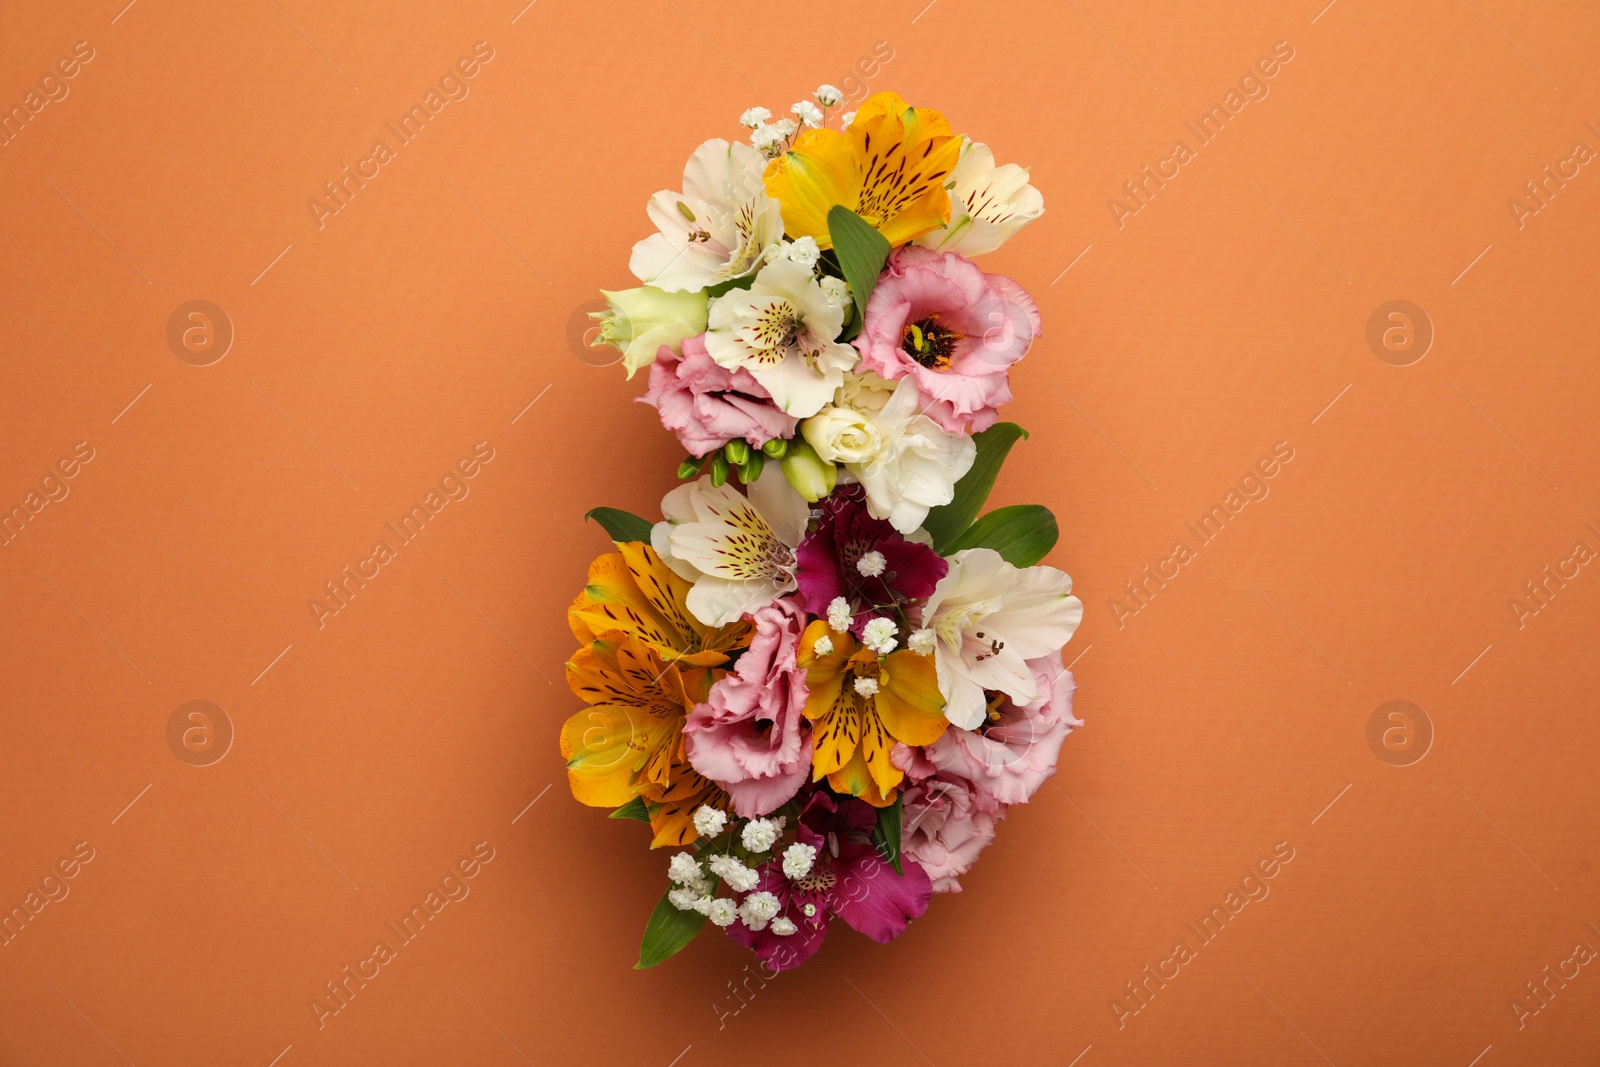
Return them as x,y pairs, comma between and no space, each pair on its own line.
839,614
828,96
810,910
769,139
708,821
758,909
740,879
787,127
835,290
808,113
846,119
683,899
722,912
879,635
684,869
824,646
921,641
759,835
871,564
866,686
783,926
754,117
798,858
803,251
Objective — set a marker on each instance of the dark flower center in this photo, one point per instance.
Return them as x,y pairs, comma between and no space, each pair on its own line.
819,879
930,343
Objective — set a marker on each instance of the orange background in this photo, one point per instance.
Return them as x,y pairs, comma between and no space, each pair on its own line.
1226,716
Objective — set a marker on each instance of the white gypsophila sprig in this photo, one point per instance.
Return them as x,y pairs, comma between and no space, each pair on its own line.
808,113
684,869
758,909
708,821
879,635
798,858
722,912
759,835
829,96
839,614
754,117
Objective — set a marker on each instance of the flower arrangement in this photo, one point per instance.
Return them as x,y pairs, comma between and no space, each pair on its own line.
823,678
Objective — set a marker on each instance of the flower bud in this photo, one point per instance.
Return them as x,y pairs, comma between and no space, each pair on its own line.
751,469
775,447
737,451
639,321
811,476
690,467
719,470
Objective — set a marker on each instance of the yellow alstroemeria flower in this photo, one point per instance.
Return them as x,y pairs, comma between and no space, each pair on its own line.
890,167
860,705
633,591
629,741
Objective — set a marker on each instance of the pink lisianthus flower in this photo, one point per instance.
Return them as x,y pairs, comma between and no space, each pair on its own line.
847,877
863,559
751,736
954,329
1014,751
707,406
946,821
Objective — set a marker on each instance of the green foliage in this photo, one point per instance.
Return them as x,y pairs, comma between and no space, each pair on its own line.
949,521
622,526
1023,534
667,932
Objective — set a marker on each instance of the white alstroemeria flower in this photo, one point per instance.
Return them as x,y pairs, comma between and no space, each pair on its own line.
987,204
722,226
988,619
782,331
918,464
738,550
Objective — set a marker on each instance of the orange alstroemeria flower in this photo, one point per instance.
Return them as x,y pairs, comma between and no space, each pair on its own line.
890,167
633,591
860,705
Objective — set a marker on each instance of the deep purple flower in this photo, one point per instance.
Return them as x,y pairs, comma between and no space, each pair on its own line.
863,559
848,878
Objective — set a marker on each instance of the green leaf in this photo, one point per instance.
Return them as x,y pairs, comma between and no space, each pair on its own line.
1023,534
666,933
886,835
621,525
633,809
714,291
861,251
949,521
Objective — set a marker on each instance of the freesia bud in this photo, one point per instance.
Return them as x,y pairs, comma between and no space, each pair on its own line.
775,447
811,476
689,468
719,470
639,321
737,451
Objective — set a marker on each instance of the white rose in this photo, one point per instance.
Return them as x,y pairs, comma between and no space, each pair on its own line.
841,435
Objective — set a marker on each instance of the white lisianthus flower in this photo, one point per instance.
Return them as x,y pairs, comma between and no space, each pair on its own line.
722,226
919,465
754,117
864,392
782,331
737,549
987,204
639,321
988,619
841,435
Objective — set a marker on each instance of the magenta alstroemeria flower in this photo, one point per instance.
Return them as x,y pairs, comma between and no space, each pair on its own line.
848,878
837,559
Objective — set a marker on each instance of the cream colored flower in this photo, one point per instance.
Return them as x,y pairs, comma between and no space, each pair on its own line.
987,204
841,435
639,321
